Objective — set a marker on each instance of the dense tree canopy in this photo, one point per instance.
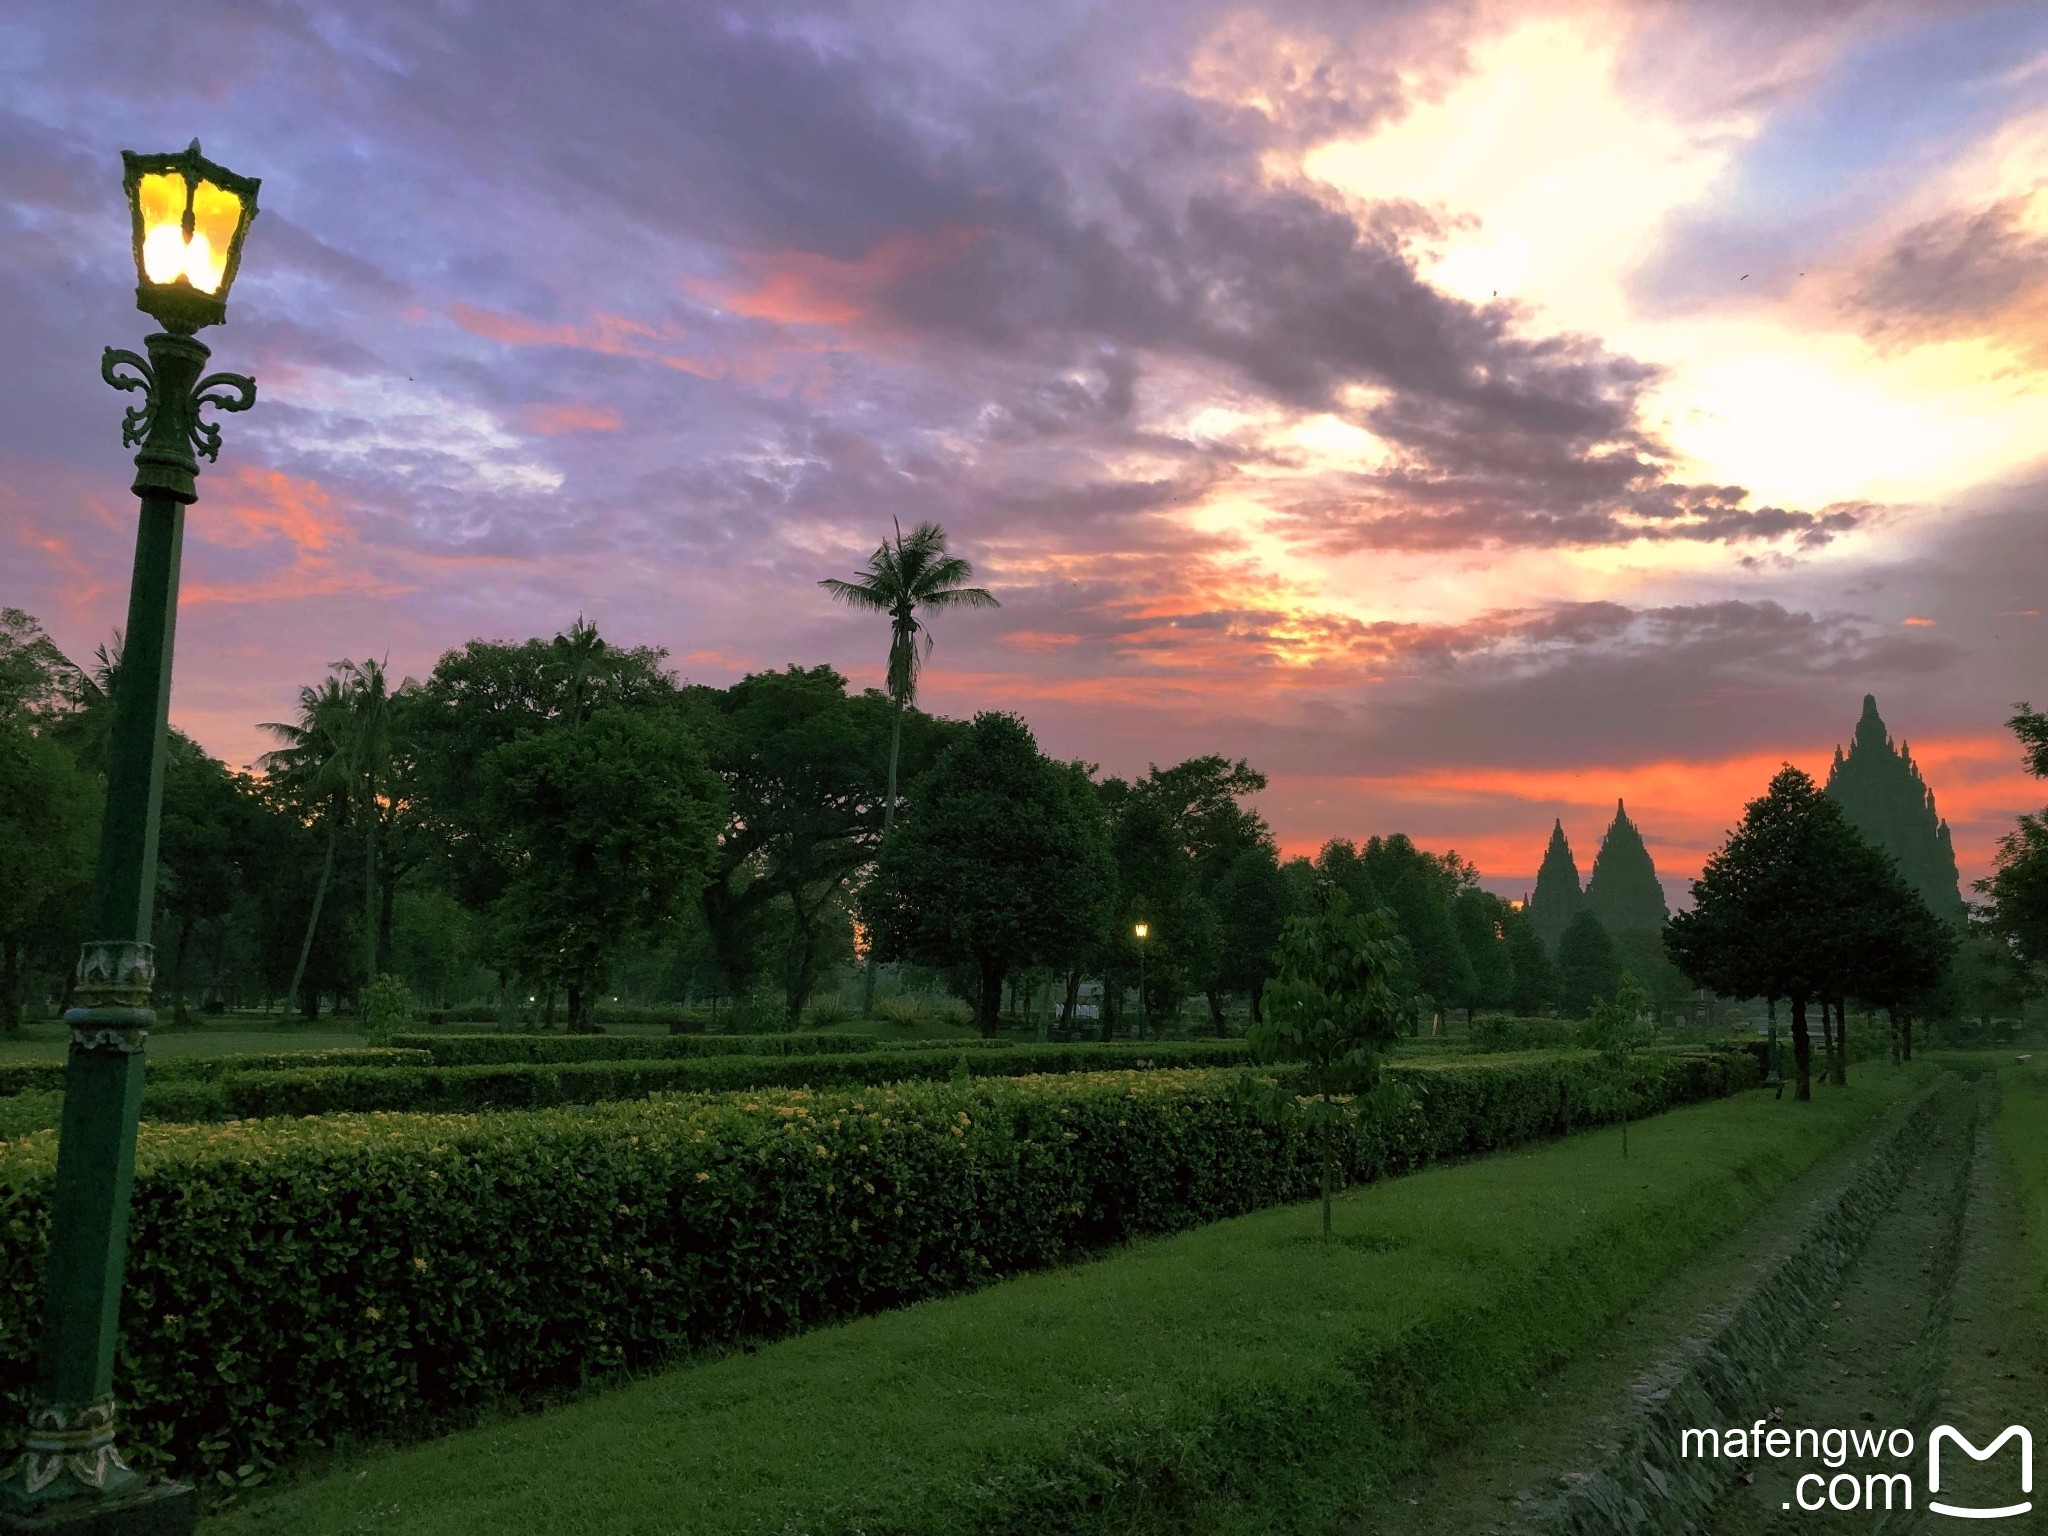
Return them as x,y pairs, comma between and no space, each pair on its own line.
1001,860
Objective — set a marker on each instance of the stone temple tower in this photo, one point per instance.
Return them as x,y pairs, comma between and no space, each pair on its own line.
1624,892
1880,790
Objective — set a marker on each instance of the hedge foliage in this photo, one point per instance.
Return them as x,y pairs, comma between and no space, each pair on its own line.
48,1076
499,1049
461,1090
296,1283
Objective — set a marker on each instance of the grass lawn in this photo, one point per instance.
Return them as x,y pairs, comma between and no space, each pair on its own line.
1187,1383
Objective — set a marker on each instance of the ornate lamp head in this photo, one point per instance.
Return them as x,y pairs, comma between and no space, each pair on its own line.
190,216
1142,929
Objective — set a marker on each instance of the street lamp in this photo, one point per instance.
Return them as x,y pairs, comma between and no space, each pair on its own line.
189,218
1142,930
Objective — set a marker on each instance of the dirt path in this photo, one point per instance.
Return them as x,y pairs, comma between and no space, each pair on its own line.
1917,1330
1867,1357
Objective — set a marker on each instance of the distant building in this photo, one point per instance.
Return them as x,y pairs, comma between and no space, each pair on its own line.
1557,898
1880,790
1624,892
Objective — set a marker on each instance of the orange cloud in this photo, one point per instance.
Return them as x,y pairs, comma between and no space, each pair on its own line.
611,335
806,288
250,505
1918,622
569,416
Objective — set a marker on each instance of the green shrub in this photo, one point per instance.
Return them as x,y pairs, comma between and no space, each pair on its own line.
830,1009
1499,1032
387,1009
483,1050
915,1008
295,1283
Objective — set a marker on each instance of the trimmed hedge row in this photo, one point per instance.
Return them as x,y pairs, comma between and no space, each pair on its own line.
302,1283
462,1090
48,1076
496,1050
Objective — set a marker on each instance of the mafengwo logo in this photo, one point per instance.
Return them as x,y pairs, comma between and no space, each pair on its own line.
1844,1487
1945,1435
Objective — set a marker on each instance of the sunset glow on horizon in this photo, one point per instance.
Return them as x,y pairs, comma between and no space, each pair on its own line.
1469,415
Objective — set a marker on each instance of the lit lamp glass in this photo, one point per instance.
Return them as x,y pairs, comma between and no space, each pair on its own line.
190,217
1142,930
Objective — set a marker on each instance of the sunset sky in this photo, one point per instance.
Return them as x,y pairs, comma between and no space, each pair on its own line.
1468,413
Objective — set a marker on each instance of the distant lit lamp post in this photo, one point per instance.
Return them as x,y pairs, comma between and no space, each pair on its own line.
189,216
1143,931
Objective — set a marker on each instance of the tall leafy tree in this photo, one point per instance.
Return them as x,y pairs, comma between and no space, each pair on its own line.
2031,726
1253,902
202,841
1767,916
1418,888
609,831
804,765
485,695
1535,976
1336,1007
1588,966
2018,882
37,682
317,767
1002,862
49,820
1482,920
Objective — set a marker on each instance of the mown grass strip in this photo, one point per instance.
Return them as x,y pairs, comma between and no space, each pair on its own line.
1153,1391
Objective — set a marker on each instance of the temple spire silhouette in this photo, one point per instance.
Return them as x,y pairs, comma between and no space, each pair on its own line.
1880,789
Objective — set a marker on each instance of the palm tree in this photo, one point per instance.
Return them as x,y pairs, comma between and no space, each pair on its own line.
369,704
901,578
317,765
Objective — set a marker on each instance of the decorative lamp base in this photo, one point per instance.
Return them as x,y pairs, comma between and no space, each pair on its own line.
160,1509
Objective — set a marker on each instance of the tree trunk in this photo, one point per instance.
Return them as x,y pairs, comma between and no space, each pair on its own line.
508,1010
313,922
1906,1034
1329,1158
388,898
1892,1014
867,985
1802,1050
1841,1058
1216,1013
1771,1007
370,886
11,968
990,1005
576,1007
1258,1001
547,1018
1073,998
179,1017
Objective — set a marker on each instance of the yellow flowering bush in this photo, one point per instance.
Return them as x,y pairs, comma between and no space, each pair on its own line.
337,1276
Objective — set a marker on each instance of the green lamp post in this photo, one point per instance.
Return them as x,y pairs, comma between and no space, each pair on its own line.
190,216
1143,931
